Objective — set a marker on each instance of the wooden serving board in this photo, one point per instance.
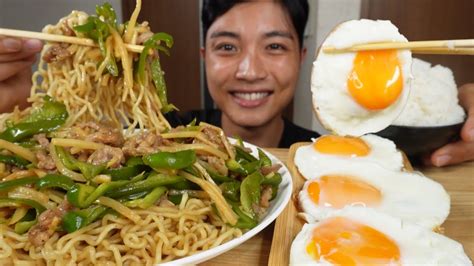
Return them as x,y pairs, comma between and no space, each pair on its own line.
459,225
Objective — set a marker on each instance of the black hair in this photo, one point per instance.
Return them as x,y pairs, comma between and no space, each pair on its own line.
297,10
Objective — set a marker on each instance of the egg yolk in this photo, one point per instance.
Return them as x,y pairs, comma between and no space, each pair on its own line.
342,241
337,145
337,191
375,81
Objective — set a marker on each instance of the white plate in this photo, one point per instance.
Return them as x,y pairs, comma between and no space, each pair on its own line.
276,207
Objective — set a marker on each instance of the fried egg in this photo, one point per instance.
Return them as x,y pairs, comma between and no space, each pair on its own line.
331,149
362,236
356,93
407,195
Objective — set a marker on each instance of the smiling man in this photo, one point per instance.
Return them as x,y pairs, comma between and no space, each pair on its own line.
253,53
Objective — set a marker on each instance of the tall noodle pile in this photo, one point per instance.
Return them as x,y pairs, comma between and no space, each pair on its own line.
89,92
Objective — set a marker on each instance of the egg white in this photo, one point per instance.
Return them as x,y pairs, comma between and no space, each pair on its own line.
418,245
408,195
382,151
335,108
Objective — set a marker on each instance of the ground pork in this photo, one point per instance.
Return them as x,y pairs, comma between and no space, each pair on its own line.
48,221
110,155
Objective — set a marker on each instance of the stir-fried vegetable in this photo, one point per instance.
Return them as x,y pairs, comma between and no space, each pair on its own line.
155,68
14,160
47,118
55,181
87,169
23,226
171,160
99,30
75,220
6,185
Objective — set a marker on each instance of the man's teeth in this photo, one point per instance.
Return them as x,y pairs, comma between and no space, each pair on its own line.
251,96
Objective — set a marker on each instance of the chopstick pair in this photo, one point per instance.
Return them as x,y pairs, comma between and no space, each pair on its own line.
61,38
455,47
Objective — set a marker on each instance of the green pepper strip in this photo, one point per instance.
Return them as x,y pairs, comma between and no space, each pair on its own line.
274,180
170,160
244,221
88,170
46,118
49,110
250,192
5,185
181,185
108,13
264,158
241,153
231,190
82,196
55,181
158,77
217,177
156,72
152,43
235,166
132,161
148,200
26,222
134,196
125,173
154,180
75,220
14,160
252,166
22,227
98,30
22,131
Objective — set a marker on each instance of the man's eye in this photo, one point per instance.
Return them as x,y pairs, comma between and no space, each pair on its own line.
226,47
276,46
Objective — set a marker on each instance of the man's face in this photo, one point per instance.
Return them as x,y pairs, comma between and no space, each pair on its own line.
252,60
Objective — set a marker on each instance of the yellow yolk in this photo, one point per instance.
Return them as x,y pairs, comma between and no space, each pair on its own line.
337,145
376,81
338,191
342,241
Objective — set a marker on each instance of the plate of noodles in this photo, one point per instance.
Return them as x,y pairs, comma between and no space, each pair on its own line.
93,173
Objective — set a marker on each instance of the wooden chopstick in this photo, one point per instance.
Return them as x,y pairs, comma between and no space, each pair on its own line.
60,38
436,47
447,51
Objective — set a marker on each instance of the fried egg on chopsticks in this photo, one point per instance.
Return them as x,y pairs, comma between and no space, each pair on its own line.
363,92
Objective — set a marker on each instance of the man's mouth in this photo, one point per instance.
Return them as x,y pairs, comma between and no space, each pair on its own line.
251,96
251,99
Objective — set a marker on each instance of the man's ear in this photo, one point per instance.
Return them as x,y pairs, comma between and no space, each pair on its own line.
202,51
304,52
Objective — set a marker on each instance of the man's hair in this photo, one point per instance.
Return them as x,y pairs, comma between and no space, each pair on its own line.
296,9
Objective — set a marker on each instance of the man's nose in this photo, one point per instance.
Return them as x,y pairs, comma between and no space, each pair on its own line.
251,67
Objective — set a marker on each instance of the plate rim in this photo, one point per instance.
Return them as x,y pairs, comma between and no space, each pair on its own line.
285,192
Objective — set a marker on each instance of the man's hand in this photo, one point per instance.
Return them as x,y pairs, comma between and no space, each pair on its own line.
16,58
462,150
